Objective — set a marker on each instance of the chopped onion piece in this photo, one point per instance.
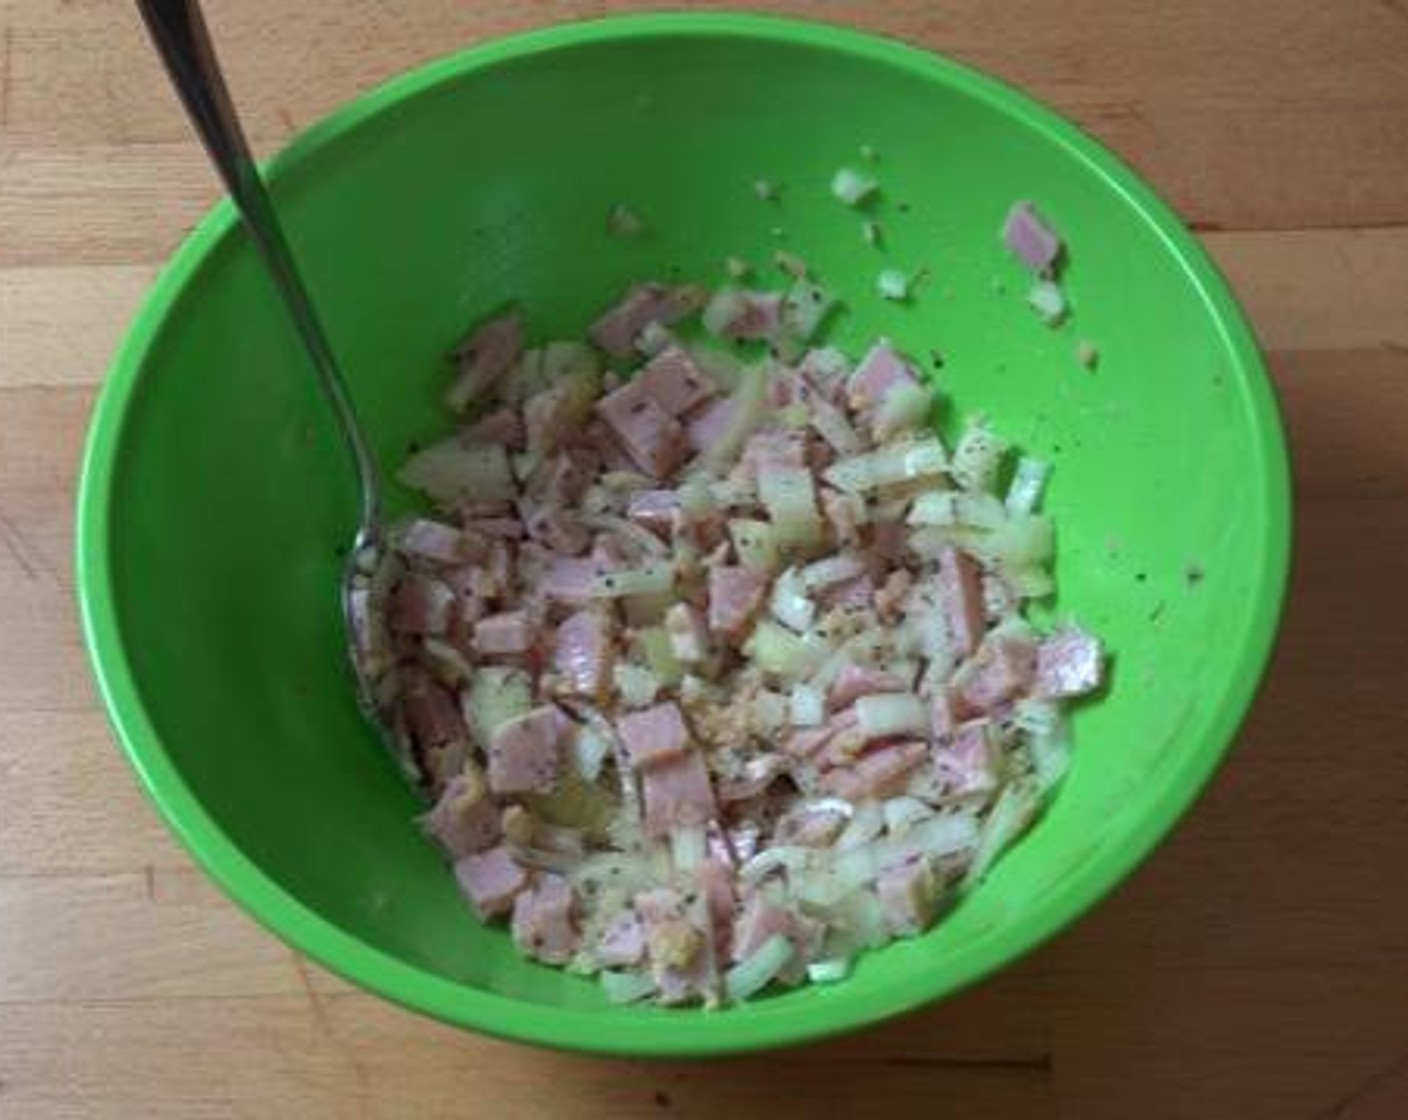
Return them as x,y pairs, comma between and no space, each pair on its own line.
589,751
789,496
754,974
977,459
648,579
638,686
1028,481
902,812
749,406
830,971
805,308
886,466
627,987
888,714
687,849
453,471
497,695
830,571
624,223
1048,301
789,602
808,706
892,284
867,822
781,857
775,649
852,187
1007,820
904,408
755,544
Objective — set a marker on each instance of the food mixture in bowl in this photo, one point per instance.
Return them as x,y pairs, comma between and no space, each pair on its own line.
712,656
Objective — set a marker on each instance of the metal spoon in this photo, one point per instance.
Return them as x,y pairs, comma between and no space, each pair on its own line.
178,29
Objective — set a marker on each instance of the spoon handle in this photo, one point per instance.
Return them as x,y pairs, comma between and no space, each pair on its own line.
179,32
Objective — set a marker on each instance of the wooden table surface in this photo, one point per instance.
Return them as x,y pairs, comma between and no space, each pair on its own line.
1257,966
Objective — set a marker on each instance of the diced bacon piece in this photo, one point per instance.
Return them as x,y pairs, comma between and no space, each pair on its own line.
771,450
689,640
484,357
805,743
420,605
909,897
961,589
583,654
432,713
570,579
969,764
542,924
674,382
784,388
498,528
622,943
888,541
1029,238
810,828
523,754
1001,671
652,438
557,529
654,509
503,426
880,371
716,883
654,734
759,923
845,513
464,819
1069,663
857,593
608,449
735,594
879,773
566,477
678,794
506,633
491,880
616,331
433,540
890,598
707,425
855,681
942,717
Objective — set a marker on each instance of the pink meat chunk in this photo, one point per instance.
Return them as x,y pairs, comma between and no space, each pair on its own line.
961,590
678,794
855,681
484,357
706,426
570,579
968,765
460,823
654,734
880,371
432,712
507,633
420,605
542,924
735,594
583,654
432,540
854,594
622,943
1029,238
879,773
1069,663
503,426
716,883
807,742
909,897
652,438
1002,670
844,513
557,529
772,451
654,509
523,754
674,382
616,331
491,880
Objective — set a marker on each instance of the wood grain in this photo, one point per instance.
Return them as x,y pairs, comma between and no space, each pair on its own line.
1256,967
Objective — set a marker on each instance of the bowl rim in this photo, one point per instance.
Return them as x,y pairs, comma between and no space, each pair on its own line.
688,1033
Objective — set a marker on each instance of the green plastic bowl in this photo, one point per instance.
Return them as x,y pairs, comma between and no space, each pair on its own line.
215,496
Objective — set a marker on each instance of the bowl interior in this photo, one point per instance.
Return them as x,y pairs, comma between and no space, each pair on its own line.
216,497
